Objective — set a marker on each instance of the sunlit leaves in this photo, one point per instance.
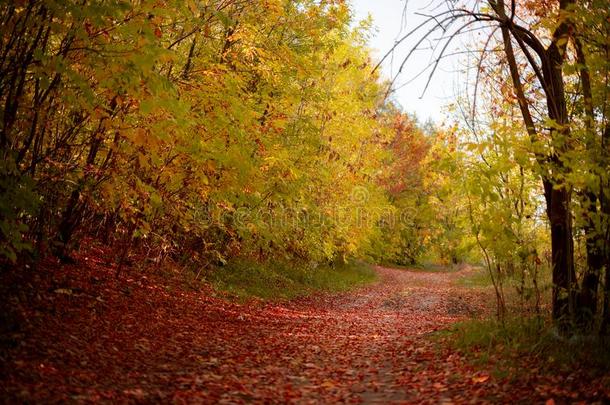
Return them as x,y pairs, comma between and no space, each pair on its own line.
221,127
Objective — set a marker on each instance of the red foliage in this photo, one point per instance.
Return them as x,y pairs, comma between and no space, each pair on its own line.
409,148
80,335
537,8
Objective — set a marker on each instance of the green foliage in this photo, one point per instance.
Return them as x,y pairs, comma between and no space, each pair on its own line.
18,201
503,200
284,280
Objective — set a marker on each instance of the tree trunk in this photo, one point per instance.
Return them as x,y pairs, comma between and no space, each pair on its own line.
605,325
556,195
605,210
587,304
564,276
588,297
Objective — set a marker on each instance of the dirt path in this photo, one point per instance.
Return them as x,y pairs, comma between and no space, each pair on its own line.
376,342
142,339
139,340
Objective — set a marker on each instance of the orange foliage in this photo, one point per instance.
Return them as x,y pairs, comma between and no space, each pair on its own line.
409,148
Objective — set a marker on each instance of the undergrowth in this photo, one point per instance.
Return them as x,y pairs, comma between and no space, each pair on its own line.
286,280
478,278
424,266
507,344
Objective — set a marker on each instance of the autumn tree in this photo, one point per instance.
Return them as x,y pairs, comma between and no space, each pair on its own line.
555,59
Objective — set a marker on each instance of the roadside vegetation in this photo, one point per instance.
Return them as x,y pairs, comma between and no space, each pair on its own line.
286,280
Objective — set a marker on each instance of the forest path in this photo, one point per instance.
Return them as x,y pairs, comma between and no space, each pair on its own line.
149,342
368,345
376,342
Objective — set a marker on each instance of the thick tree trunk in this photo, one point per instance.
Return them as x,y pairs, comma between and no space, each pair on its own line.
557,196
565,286
605,210
605,325
564,276
588,297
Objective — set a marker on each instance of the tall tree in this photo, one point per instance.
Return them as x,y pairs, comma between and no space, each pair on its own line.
545,47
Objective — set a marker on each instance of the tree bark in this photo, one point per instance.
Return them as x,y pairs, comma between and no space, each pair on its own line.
605,210
557,197
588,297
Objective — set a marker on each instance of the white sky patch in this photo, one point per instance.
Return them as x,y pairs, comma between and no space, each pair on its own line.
389,24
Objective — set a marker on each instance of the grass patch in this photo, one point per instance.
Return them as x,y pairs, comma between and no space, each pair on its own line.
507,344
285,280
391,265
432,267
424,267
478,278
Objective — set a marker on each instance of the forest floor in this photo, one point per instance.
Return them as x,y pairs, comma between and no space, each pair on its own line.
89,337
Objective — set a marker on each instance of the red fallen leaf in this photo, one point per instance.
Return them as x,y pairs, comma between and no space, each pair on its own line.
480,379
550,401
158,32
439,386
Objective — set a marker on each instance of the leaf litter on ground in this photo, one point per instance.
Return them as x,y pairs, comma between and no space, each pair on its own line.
81,335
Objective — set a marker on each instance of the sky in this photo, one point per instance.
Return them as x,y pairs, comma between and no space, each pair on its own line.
388,24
